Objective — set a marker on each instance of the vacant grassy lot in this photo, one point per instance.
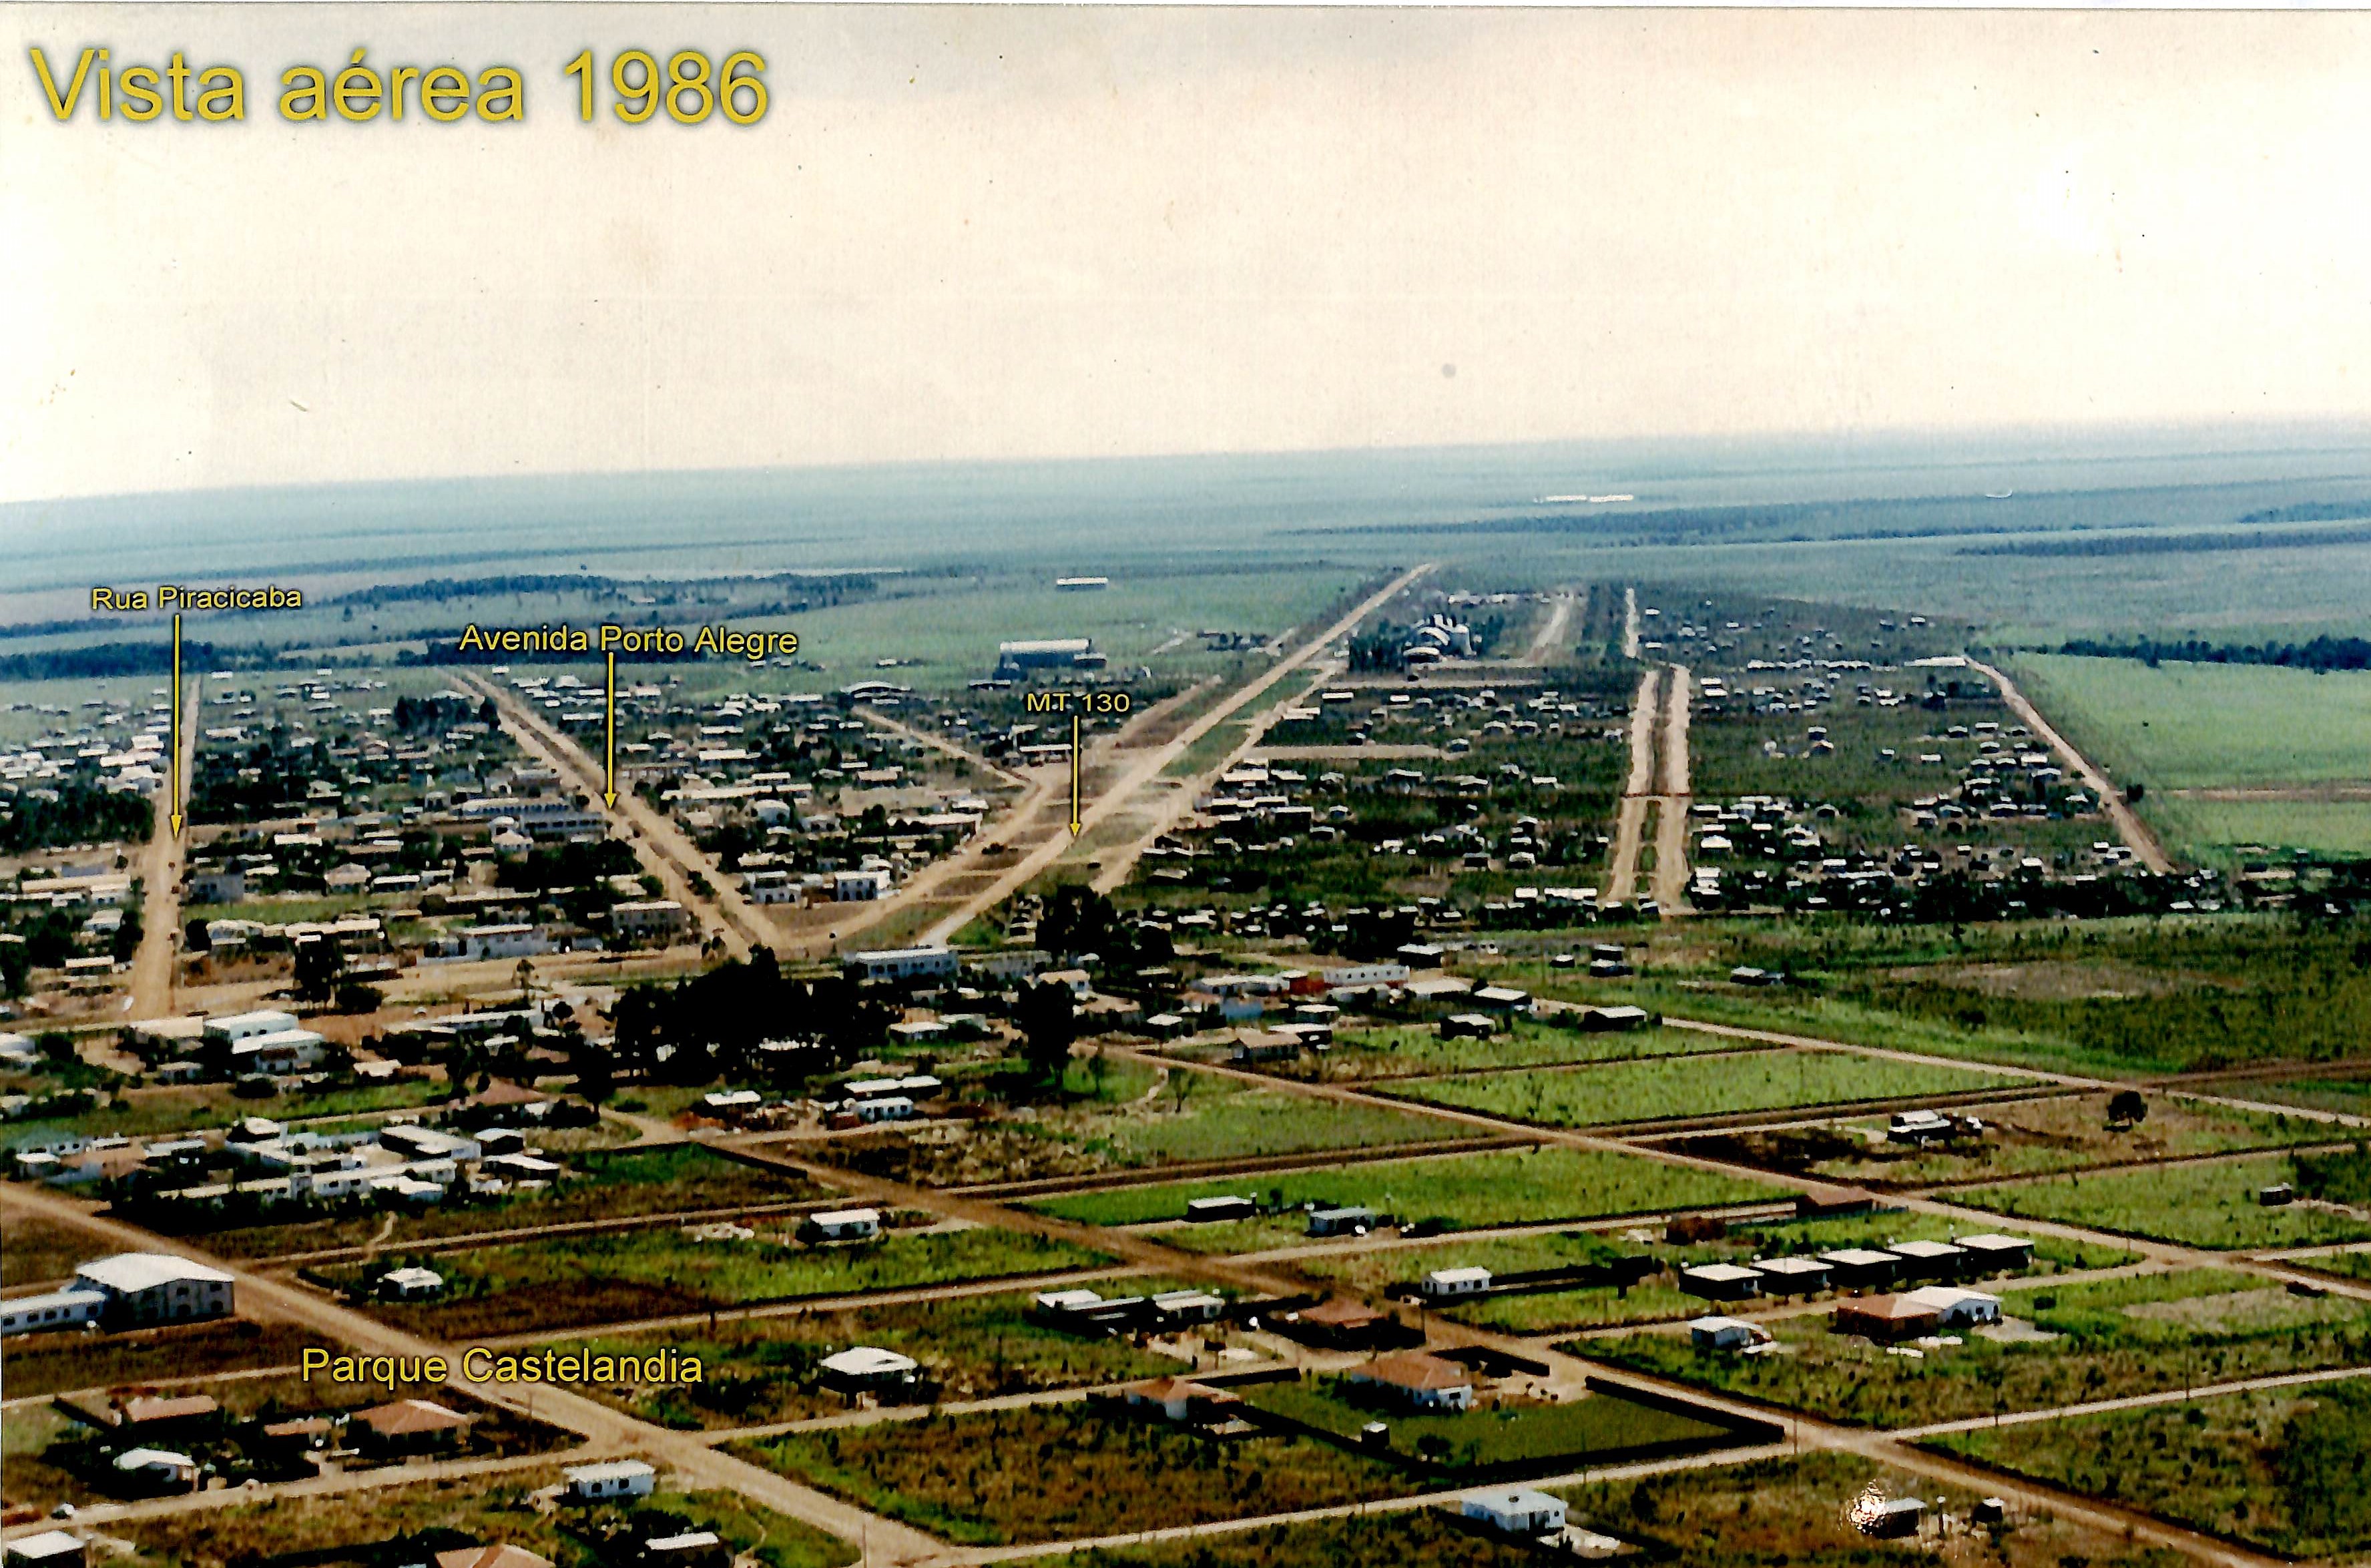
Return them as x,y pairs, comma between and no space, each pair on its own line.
442,1514
1517,1187
151,1112
1791,1511
763,1370
1192,1115
2202,1205
2035,1136
1059,1471
50,1364
1695,1086
36,1250
1417,1538
2349,1095
580,1280
2282,1468
1405,1049
612,1184
2114,1337
1595,1430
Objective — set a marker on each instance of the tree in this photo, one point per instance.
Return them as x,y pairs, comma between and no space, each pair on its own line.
2127,1108
354,996
1047,1015
194,938
318,965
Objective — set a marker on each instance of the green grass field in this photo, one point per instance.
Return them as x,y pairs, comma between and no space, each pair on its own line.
1696,1086
1405,1049
2201,1206
1596,1430
1513,1188
1055,1473
584,1280
2280,1469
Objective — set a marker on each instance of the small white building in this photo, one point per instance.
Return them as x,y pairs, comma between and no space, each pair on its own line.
414,1284
242,1026
1517,1511
868,1367
617,1478
842,1224
66,1308
51,1549
1956,1307
905,964
1467,1281
1726,1333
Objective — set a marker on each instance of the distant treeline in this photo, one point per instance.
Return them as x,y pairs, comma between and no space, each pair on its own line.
2175,544
2322,653
2311,512
101,659
438,589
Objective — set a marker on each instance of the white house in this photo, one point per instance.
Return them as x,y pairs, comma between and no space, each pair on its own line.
158,1467
842,1224
153,1287
1726,1333
1456,1282
904,964
619,1478
868,1367
280,1051
51,1549
1519,1511
413,1283
1955,1306
243,1026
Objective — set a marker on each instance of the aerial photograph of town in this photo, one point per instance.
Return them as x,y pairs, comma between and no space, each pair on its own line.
1165,790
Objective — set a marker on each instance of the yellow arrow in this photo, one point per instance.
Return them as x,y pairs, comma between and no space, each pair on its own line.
610,795
176,801
1074,776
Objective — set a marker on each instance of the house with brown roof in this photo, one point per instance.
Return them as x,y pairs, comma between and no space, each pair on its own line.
1885,1318
1412,1377
501,1554
1184,1400
152,1414
1349,1324
410,1426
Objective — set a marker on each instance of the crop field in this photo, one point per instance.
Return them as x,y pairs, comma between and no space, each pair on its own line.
2033,1137
760,1370
2201,1206
470,1508
2279,1469
1596,1429
1518,1187
624,1183
1054,1472
2105,1339
1407,1050
611,1279
1696,1086
1794,1510
2186,730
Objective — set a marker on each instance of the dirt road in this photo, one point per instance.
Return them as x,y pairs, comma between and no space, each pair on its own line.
261,1295
1050,830
1671,803
665,852
157,961
1549,640
2129,826
1630,816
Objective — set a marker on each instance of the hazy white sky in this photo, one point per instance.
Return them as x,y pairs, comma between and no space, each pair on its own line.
1042,232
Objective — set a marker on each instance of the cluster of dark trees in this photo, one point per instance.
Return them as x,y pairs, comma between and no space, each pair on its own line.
82,814
427,715
2323,652
710,1025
